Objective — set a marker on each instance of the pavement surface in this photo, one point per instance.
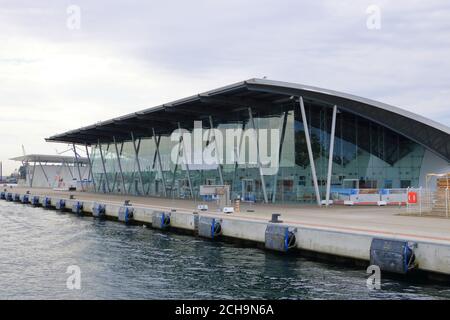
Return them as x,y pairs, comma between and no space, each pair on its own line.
388,221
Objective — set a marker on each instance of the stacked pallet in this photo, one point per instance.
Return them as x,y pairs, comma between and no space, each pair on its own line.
441,203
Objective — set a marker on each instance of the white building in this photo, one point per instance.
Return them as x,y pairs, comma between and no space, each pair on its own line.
53,171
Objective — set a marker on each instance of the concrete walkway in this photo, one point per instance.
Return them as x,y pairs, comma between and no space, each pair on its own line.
381,221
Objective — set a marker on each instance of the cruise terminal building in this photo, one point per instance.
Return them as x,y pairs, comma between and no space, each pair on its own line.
328,145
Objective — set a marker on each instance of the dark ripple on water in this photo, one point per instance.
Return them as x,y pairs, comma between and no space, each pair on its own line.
130,262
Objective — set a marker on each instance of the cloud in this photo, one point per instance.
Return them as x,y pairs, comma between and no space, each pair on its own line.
130,55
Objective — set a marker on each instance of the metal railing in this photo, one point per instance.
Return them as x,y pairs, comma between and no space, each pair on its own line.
429,202
388,196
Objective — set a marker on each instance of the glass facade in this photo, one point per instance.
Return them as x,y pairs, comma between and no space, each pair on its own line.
366,155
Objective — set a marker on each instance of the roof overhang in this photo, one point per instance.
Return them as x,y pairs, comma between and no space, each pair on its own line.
267,98
47,158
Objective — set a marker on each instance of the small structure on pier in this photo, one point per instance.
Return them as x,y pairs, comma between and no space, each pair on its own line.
54,171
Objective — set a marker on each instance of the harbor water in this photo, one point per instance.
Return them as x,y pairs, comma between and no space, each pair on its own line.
132,262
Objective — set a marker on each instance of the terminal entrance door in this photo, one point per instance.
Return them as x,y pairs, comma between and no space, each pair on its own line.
157,187
183,188
248,190
285,190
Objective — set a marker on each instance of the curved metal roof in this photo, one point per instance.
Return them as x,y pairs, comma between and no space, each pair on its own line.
266,97
50,158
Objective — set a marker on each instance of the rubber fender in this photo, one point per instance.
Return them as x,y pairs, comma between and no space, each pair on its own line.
98,210
395,256
196,219
9,196
60,204
35,200
77,207
47,203
291,240
3,195
17,197
125,214
25,198
160,220
209,227
216,229
279,238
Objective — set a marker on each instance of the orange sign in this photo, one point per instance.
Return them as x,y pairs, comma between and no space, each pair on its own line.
412,197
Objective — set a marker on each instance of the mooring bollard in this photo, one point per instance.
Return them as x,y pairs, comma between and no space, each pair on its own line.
275,218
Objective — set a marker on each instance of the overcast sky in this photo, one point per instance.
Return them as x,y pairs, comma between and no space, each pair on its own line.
130,55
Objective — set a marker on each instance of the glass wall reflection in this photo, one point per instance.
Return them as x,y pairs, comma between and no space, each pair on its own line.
365,154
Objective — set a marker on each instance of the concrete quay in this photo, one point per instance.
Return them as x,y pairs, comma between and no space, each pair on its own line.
344,232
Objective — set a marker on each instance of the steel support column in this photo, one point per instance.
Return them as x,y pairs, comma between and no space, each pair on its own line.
45,174
208,141
283,121
120,153
188,174
90,165
136,153
78,165
176,166
263,183
134,167
219,165
119,163
330,156
160,163
32,176
115,175
310,154
237,155
155,157
103,165
68,168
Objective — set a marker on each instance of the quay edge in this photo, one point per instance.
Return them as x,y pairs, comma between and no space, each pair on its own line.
432,257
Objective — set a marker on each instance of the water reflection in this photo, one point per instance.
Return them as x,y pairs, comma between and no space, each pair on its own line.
132,262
